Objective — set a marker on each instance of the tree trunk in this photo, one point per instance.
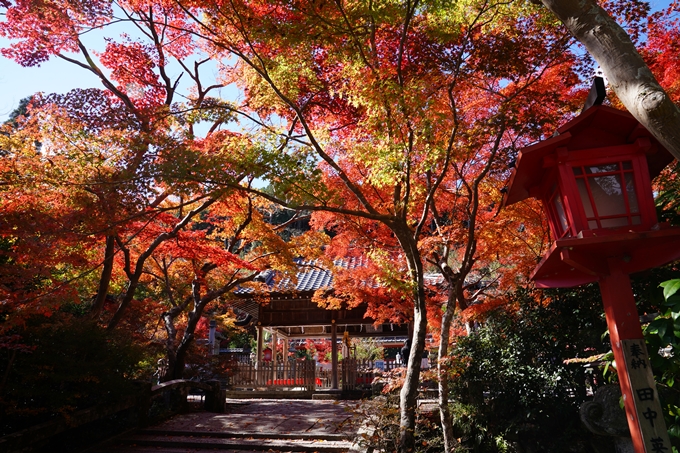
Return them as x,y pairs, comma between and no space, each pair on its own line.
105,278
127,298
187,339
628,74
177,352
442,371
409,392
171,332
133,277
177,355
180,354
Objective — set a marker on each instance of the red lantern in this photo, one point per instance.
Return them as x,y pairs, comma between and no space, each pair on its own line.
594,180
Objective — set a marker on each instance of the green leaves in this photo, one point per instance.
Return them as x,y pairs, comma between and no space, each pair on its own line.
670,287
663,342
667,325
517,381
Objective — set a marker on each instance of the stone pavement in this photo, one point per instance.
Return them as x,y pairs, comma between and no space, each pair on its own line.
250,425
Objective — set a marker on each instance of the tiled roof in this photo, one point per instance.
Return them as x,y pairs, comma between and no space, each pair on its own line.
313,277
310,277
248,306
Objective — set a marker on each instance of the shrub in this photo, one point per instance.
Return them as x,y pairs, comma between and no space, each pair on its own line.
515,392
66,364
380,418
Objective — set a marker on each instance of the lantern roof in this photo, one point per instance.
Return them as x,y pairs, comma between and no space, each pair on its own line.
598,127
577,261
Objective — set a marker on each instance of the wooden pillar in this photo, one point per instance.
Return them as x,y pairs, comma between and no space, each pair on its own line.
258,356
260,342
211,338
334,355
275,341
286,362
640,396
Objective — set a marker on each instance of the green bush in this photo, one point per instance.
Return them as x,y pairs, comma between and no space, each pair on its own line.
64,364
662,336
515,392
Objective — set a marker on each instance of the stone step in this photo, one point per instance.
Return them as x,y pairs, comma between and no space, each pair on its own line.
153,449
177,442
277,426
245,435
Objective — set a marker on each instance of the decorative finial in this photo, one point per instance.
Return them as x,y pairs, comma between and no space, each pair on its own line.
598,92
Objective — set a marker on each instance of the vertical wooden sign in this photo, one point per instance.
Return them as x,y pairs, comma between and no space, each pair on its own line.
645,397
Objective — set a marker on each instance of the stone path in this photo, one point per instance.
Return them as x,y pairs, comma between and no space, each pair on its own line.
250,425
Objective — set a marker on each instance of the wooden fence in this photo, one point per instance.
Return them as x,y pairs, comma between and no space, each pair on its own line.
353,374
359,374
290,375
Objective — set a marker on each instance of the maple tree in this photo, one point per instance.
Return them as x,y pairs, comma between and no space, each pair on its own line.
361,113
222,253
194,259
95,186
387,108
659,50
384,126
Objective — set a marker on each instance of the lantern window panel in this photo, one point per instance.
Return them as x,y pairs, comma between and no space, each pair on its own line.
608,194
598,169
630,190
557,212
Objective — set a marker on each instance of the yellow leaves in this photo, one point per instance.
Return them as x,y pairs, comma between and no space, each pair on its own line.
327,301
260,95
10,142
309,244
226,321
459,14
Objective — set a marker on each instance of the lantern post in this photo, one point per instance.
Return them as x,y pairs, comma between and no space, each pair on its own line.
593,178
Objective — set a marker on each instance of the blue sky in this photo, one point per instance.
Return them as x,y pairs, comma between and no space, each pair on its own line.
58,76
55,76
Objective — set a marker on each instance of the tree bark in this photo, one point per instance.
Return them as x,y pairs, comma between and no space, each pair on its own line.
442,369
453,280
409,392
105,278
177,352
171,332
177,355
626,71
133,277
187,339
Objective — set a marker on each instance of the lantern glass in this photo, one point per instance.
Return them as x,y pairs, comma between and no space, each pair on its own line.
608,195
557,212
